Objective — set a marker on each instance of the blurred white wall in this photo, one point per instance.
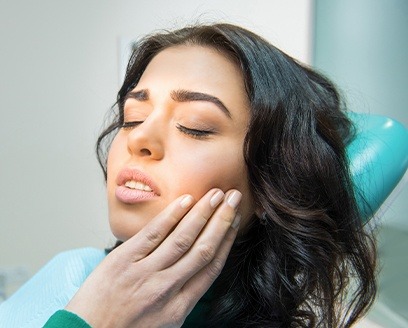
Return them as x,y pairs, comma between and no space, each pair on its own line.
363,46
58,76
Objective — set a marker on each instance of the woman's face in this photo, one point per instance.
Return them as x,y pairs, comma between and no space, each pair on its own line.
185,123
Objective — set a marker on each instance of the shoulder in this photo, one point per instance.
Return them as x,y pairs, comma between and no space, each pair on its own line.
50,289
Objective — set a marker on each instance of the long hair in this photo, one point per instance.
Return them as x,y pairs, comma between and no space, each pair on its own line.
305,260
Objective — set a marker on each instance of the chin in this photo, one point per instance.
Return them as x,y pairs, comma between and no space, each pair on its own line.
123,231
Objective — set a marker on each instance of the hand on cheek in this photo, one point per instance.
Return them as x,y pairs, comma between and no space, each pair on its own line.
157,276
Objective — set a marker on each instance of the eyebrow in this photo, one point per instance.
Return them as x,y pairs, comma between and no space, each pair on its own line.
141,95
182,95
186,96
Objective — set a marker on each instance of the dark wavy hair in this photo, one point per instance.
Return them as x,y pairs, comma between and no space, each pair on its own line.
307,260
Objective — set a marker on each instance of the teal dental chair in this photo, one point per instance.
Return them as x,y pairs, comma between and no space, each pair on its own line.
378,158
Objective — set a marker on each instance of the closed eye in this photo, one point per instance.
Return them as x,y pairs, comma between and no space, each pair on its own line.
195,133
130,125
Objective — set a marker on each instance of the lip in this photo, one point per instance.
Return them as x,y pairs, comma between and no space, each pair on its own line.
133,196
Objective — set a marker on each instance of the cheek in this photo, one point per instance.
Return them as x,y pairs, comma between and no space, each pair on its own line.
116,153
206,170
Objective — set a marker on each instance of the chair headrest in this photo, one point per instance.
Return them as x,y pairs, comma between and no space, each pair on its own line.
378,159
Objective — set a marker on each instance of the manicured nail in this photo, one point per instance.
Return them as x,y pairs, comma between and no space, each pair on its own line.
216,198
237,221
186,201
234,199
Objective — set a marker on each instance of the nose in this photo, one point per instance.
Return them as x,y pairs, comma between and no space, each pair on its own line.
147,139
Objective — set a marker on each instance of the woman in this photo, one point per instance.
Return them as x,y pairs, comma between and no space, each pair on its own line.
227,151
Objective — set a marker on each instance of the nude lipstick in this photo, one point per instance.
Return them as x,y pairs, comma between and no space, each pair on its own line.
133,186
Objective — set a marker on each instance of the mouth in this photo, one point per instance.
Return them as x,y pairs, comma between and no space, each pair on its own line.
134,186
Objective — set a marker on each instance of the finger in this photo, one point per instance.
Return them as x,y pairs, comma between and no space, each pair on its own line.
146,240
211,238
198,285
186,232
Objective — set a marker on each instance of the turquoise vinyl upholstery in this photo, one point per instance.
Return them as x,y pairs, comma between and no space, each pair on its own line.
378,159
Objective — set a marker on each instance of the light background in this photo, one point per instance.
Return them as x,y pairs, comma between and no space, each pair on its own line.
59,74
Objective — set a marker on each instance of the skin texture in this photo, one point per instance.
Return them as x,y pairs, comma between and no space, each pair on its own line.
177,162
176,241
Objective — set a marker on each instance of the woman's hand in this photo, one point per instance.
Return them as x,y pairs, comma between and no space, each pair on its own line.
155,278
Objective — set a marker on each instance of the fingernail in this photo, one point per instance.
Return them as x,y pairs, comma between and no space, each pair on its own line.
186,201
234,199
237,221
216,198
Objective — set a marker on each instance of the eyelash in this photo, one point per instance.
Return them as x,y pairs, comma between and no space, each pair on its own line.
130,125
198,134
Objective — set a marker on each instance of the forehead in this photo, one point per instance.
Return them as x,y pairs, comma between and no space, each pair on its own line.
194,61
199,69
